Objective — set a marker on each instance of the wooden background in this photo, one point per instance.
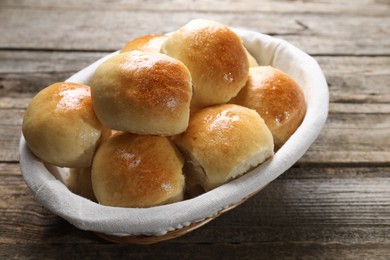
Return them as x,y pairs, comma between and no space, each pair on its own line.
333,204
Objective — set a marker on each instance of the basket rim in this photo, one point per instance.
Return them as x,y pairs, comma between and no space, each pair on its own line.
146,240
160,220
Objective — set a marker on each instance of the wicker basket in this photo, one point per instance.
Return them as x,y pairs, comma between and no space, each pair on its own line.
146,240
169,221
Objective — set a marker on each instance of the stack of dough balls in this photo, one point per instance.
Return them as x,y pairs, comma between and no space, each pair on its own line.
166,118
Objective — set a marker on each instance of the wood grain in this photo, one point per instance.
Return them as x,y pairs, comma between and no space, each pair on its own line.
277,250
334,203
98,29
367,7
346,138
328,208
356,130
351,79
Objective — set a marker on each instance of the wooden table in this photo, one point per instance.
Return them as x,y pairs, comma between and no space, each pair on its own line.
333,203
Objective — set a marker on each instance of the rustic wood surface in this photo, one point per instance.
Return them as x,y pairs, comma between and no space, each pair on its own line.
334,203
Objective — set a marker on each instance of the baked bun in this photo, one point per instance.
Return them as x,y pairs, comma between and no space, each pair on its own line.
223,142
146,43
277,98
143,93
137,171
251,60
216,58
60,125
80,183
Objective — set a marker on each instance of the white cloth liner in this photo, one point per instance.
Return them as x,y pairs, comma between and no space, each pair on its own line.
87,215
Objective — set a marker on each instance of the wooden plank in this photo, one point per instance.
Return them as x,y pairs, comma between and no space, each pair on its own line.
9,102
262,250
367,7
304,201
350,79
10,136
24,73
27,62
367,108
333,204
317,206
357,79
108,30
355,132
27,85
349,138
354,137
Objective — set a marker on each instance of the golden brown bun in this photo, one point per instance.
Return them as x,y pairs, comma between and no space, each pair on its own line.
60,125
143,93
277,98
137,171
80,183
146,43
216,58
251,60
223,142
